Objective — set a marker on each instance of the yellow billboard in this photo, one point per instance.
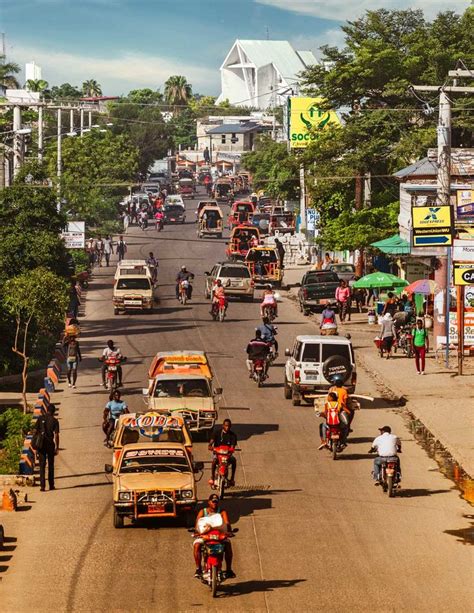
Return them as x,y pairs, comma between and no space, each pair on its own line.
306,119
432,226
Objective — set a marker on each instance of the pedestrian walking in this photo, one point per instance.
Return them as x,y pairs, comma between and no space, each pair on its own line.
281,251
108,249
125,220
121,248
90,250
99,250
74,302
73,357
420,345
387,333
390,305
343,298
46,437
327,261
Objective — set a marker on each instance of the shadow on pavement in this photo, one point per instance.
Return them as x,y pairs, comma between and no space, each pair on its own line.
464,535
354,456
5,550
251,587
417,493
246,431
83,485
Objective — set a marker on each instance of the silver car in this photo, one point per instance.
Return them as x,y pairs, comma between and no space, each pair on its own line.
345,271
235,278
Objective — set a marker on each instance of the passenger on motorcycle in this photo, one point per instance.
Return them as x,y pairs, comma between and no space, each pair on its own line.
143,218
257,349
113,409
342,396
218,294
211,509
387,446
159,218
184,275
331,414
269,300
152,263
111,351
223,436
328,318
269,332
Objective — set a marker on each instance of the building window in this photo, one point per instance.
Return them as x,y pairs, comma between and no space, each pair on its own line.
223,139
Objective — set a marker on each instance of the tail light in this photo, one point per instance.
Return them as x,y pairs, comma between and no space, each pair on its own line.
354,378
305,293
297,375
252,283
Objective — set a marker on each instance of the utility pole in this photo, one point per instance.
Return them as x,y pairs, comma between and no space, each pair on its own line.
40,134
17,140
302,199
443,272
81,121
90,120
59,160
71,120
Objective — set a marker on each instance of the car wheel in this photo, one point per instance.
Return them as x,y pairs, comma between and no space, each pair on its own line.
118,520
296,399
287,390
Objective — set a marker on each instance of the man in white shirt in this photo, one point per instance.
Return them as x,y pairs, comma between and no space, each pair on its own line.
111,351
387,445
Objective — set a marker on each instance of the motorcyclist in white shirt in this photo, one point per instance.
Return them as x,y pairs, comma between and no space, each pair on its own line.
387,446
111,351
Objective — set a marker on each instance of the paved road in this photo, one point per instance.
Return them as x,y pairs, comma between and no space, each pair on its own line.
314,534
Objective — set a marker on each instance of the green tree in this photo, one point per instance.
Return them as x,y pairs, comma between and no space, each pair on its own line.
178,91
66,91
144,96
273,168
36,85
8,70
91,88
96,170
37,300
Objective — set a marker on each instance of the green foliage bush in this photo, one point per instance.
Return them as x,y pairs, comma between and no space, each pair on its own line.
14,425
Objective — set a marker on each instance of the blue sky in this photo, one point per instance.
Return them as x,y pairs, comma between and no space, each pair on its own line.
126,44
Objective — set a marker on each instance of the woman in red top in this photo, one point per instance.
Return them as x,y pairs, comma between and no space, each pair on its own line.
343,297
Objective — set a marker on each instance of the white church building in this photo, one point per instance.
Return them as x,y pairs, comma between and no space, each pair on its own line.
261,73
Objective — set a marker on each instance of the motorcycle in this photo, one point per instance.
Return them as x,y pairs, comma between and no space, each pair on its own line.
112,364
109,442
159,224
269,310
213,550
389,474
223,455
258,371
219,309
333,440
143,223
184,291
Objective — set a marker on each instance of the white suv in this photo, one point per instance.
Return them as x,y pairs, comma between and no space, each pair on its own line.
314,361
235,277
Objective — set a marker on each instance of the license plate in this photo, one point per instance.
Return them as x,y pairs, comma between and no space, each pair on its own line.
132,302
172,219
112,368
236,283
156,508
315,376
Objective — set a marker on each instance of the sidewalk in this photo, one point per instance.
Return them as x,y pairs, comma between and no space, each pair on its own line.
441,400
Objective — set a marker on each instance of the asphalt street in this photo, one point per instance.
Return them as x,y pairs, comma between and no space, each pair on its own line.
314,534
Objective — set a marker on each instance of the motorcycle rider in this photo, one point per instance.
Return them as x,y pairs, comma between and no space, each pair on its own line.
257,349
387,446
113,409
159,219
218,294
268,299
152,263
328,318
184,275
111,351
143,219
211,509
331,412
269,332
342,398
224,436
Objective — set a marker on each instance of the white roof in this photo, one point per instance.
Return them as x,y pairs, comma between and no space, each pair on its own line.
280,53
317,338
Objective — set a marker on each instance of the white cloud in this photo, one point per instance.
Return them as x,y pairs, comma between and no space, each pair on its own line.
117,74
341,10
333,37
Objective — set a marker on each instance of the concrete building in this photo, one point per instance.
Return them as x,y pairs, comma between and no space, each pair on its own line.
33,72
260,73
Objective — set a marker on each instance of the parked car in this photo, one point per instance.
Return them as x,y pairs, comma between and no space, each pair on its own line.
317,287
235,277
345,271
313,361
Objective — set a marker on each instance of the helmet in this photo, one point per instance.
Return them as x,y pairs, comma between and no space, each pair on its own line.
183,268
337,380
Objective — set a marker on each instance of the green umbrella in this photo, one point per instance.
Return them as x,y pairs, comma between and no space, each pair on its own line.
380,280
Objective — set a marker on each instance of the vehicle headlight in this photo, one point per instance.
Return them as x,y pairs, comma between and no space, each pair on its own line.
124,496
186,493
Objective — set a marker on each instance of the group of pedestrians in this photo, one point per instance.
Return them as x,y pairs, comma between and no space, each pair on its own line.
100,249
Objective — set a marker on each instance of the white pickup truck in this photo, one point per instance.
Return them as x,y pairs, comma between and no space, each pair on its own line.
313,362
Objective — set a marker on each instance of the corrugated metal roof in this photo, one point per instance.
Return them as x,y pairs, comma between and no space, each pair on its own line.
238,128
277,52
308,57
423,167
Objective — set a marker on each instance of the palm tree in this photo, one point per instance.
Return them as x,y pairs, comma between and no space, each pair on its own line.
91,88
36,85
8,70
177,90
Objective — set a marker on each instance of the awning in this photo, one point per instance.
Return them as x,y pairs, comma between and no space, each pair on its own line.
395,245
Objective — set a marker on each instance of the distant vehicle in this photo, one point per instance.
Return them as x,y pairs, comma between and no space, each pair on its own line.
175,199
235,278
345,272
317,287
262,222
173,213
